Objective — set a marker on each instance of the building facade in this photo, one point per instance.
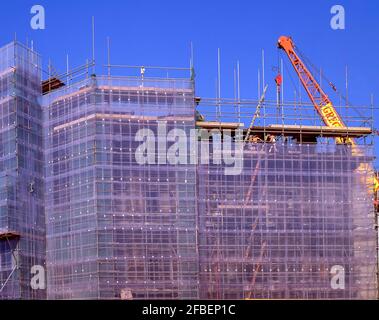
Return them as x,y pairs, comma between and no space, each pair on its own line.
88,192
115,225
296,217
22,214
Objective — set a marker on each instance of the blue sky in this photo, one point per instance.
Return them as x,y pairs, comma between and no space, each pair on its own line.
159,33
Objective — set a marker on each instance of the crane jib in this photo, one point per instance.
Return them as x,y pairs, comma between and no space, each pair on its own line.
330,116
327,112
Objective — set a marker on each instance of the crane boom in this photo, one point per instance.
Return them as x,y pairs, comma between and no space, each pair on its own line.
319,98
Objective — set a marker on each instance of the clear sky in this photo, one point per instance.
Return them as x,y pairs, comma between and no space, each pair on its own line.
159,33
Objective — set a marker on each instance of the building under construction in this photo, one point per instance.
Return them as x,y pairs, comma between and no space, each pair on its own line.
75,200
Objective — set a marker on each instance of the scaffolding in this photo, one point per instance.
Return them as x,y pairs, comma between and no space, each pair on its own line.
22,219
308,211
300,207
115,226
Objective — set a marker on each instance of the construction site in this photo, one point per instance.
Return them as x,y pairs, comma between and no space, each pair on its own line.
75,200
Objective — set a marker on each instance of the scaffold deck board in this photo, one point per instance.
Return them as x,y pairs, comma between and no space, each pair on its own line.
316,130
9,235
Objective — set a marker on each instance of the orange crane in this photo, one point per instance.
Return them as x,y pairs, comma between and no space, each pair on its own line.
319,98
